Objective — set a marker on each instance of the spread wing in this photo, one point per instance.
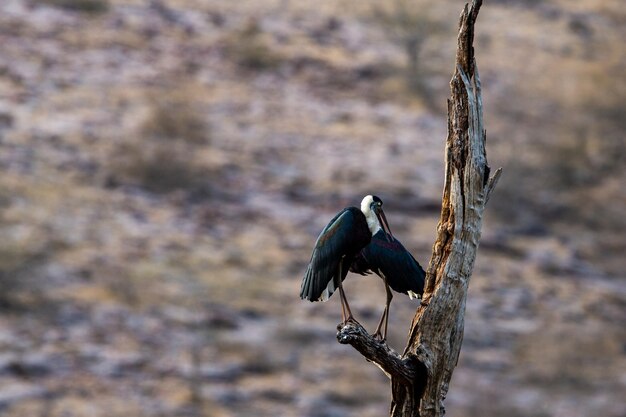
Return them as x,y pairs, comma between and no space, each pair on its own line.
403,273
341,239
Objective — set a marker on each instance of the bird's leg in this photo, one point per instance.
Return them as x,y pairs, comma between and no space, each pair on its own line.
347,314
343,306
341,296
389,297
385,317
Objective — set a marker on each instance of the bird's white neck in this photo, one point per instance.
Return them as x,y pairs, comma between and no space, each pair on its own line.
372,221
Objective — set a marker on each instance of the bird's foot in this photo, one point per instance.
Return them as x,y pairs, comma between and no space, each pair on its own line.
378,336
349,320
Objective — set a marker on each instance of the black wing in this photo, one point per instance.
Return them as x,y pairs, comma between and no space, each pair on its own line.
345,235
391,259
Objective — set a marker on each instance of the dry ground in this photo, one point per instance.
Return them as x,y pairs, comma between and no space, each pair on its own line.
167,165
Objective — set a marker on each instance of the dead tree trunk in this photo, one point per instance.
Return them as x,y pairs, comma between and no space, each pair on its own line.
421,375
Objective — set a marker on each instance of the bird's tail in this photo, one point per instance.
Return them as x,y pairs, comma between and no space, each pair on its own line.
305,287
320,285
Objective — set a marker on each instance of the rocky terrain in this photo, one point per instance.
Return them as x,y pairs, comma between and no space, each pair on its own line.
168,164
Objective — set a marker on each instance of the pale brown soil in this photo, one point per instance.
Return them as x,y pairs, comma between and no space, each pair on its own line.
167,166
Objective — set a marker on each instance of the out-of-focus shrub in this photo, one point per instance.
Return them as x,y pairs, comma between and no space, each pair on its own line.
17,272
250,48
175,119
162,156
158,166
410,23
83,6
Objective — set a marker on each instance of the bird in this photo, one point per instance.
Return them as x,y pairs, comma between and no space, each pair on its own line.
388,258
360,240
336,248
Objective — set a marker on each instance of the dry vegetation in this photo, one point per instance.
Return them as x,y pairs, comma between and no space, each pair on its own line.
83,6
167,165
162,156
412,23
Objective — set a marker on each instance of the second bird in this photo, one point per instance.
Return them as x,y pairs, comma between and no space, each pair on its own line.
389,259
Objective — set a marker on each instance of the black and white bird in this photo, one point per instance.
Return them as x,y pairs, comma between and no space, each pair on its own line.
360,240
387,257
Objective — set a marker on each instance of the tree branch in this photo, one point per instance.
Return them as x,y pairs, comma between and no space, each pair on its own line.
377,352
491,184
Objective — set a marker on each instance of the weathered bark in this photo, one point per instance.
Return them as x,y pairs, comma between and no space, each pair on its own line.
420,377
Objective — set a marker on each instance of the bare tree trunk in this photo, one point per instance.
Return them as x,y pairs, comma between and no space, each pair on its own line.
421,375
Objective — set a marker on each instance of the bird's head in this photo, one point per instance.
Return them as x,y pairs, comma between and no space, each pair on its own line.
372,208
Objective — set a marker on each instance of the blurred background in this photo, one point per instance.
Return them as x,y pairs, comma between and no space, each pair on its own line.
168,164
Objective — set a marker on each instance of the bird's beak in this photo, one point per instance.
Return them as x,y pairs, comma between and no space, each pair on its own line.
383,222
